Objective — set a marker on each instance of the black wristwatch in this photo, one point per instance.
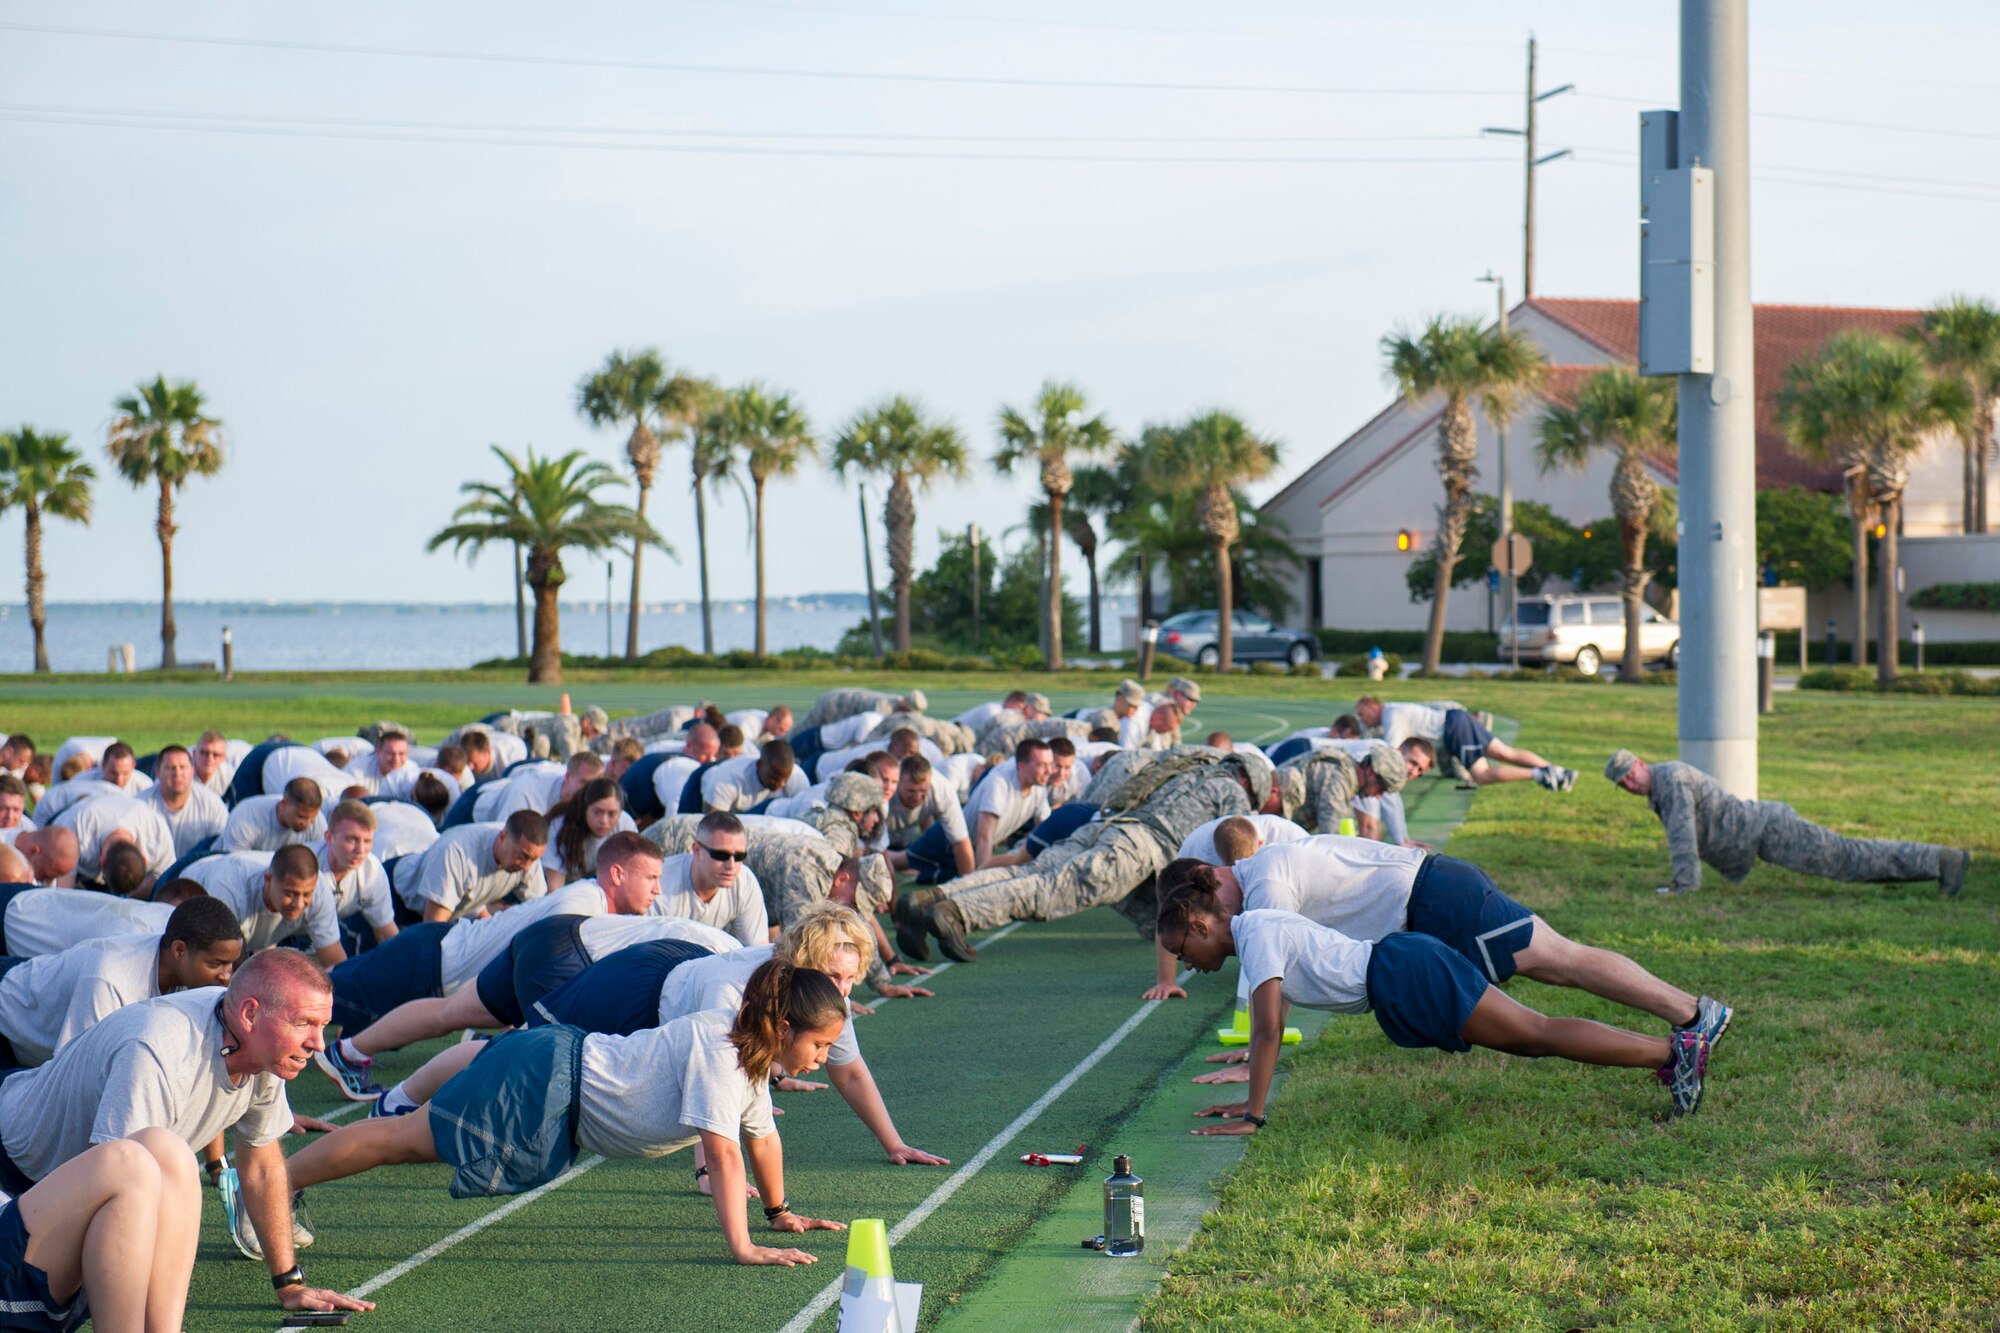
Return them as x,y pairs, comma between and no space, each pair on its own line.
1256,1120
294,1276
773,1212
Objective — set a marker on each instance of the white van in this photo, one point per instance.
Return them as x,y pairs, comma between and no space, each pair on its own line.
1586,631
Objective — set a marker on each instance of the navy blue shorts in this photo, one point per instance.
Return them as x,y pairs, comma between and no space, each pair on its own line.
25,1300
1457,902
460,811
506,1122
538,960
8,892
201,851
1066,820
642,798
691,793
1463,737
12,1178
410,966
930,856
806,749
1422,992
618,994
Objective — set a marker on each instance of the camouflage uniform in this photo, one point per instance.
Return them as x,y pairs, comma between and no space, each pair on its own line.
848,797
647,726
947,735
1706,823
796,871
1109,860
1318,789
999,741
836,705
1114,770
563,733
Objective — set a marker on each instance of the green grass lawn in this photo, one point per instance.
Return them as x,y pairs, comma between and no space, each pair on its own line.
1841,1175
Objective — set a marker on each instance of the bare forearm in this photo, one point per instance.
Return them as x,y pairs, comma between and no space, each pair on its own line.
856,1087
961,854
267,1195
725,1169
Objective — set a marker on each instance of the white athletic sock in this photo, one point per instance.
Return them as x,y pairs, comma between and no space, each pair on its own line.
349,1052
398,1100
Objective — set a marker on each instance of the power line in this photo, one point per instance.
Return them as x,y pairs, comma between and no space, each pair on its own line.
724,150
150,113
1938,130
763,71
1775,175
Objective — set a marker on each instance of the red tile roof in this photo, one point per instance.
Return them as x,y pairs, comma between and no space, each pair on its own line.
1784,334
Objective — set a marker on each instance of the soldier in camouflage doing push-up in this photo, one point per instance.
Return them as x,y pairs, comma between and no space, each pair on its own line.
1105,861
1706,823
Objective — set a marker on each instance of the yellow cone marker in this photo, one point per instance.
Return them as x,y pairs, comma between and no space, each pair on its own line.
871,1300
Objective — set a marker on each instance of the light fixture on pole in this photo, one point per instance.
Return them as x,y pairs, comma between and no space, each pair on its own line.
1532,160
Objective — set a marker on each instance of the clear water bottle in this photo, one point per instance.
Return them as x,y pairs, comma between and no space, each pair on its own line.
1124,1210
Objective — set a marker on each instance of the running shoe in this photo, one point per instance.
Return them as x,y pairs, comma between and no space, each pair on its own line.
1711,1020
946,920
381,1109
1565,778
356,1081
1686,1071
1545,776
1952,863
234,1218
302,1225
911,938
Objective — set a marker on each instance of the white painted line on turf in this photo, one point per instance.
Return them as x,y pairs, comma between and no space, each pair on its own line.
1280,725
469,1230
823,1302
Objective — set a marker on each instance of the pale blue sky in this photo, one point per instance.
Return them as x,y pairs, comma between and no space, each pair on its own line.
368,306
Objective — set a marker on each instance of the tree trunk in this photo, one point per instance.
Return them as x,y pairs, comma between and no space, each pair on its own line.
1889,650
1052,603
1145,591
899,516
632,612
1860,575
1096,621
545,663
1985,409
37,612
701,549
1969,508
1225,601
1633,537
758,483
164,525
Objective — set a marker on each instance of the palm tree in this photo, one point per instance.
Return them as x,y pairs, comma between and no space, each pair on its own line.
40,473
775,437
1094,495
1962,337
162,436
547,505
1210,456
894,439
1459,360
1632,417
634,387
1867,400
711,454
1057,431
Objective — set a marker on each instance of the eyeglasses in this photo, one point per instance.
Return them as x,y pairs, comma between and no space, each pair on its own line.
722,855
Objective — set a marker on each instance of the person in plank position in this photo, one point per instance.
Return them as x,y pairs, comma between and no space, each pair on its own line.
1422,993
50,1001
1706,823
520,1114
1461,739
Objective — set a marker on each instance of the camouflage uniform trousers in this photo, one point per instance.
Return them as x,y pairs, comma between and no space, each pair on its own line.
948,736
1103,863
838,705
647,727
1796,843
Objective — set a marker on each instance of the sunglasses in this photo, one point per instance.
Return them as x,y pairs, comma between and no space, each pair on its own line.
721,855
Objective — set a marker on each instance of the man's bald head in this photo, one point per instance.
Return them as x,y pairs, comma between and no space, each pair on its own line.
703,742
51,852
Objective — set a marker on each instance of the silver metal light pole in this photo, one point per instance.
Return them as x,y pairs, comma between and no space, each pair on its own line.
1718,429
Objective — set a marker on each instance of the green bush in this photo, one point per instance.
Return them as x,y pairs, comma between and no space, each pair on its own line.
1841,679
1968,652
1358,666
1309,670
1268,668
1929,683
1957,597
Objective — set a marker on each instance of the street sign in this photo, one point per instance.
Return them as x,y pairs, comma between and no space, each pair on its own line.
1523,551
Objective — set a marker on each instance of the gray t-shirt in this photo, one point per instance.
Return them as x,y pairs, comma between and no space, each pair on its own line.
402,828
473,943
460,872
47,1002
153,1065
43,921
202,815
1356,886
940,806
649,1094
96,819
719,982
733,784
364,889
253,827
238,880
738,909
603,936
